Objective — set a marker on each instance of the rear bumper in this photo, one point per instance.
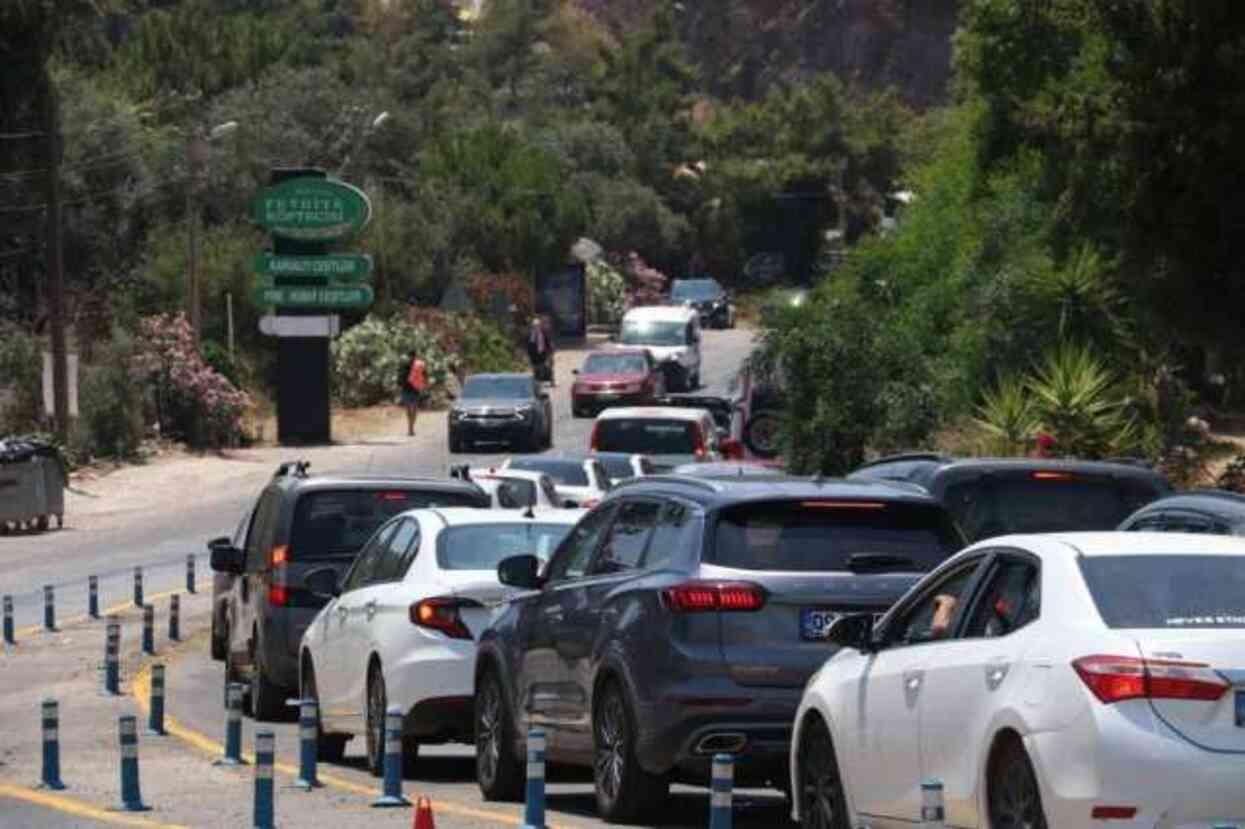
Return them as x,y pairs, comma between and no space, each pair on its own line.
433,682
506,433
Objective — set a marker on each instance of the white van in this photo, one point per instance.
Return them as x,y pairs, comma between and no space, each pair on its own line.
672,334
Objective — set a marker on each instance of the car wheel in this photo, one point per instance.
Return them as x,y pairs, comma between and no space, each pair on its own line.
220,641
761,434
330,748
498,772
267,701
377,704
1014,799
822,802
625,792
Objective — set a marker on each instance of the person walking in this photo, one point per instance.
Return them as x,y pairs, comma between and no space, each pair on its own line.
412,381
540,350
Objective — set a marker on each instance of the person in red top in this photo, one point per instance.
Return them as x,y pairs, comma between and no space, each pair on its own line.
412,382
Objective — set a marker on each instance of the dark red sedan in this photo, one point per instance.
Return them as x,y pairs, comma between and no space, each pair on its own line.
617,377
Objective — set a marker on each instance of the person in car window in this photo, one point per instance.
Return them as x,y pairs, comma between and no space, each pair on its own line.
944,612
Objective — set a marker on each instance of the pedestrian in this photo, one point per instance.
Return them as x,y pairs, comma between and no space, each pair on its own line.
540,350
412,382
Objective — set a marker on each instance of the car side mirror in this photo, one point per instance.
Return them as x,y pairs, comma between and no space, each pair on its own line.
854,630
323,582
520,571
226,558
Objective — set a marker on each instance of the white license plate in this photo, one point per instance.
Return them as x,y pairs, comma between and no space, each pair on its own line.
815,623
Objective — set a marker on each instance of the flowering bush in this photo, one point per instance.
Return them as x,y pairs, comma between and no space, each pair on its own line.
645,285
484,287
192,400
607,293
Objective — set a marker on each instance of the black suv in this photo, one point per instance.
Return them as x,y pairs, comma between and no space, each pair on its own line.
996,496
303,523
513,409
681,618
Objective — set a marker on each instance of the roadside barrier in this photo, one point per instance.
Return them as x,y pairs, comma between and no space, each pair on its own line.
534,802
49,608
391,794
112,657
175,612
932,812
50,778
423,814
131,797
92,597
721,804
8,621
149,629
308,740
233,726
190,574
138,586
265,748
155,707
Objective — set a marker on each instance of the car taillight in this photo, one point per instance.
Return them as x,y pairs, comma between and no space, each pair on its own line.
440,614
1119,678
280,556
594,443
1052,476
278,593
710,596
698,444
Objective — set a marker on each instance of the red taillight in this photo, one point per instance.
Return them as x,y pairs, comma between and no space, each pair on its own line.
279,556
595,442
1113,812
1052,476
710,596
442,615
1119,678
278,595
391,496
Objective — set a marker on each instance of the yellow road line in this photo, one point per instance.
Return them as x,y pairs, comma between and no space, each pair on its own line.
21,633
140,687
79,808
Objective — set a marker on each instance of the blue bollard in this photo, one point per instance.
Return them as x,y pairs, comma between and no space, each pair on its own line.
138,586
391,794
155,707
190,574
534,808
149,629
932,813
92,596
308,739
721,806
175,612
112,657
131,797
233,726
51,776
8,621
49,608
265,747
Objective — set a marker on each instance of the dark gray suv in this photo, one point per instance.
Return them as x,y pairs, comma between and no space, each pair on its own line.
681,618
303,523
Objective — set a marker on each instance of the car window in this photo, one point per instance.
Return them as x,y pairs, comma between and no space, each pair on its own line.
238,539
392,563
934,615
335,523
1167,591
677,529
602,476
1154,522
551,492
657,436
266,516
1183,522
515,493
368,560
484,546
572,557
1010,600
563,472
628,536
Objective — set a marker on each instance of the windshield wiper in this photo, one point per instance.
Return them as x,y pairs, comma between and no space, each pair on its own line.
880,563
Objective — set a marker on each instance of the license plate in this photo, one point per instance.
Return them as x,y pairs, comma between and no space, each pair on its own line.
1240,709
815,623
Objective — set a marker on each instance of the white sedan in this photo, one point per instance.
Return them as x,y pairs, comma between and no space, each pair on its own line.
518,488
402,625
1062,681
580,479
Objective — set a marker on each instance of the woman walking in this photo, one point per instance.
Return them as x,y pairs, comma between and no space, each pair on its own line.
412,381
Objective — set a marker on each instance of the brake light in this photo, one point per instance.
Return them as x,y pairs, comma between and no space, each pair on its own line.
391,496
1052,476
279,556
278,595
1113,812
1119,678
842,505
440,614
709,596
595,441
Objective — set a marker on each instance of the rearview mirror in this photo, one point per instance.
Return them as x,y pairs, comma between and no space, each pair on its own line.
322,582
225,557
855,630
520,571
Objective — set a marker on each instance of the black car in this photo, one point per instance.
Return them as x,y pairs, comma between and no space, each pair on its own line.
303,523
708,297
1214,511
681,618
510,409
997,496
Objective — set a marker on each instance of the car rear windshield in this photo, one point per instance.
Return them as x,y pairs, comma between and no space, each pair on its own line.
505,388
616,364
1042,503
653,332
651,436
695,289
618,466
821,535
1176,591
564,473
332,523
483,546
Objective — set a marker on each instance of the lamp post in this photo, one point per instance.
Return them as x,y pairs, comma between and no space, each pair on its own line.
198,154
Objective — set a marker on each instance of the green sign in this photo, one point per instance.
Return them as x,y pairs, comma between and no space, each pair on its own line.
347,296
312,209
334,268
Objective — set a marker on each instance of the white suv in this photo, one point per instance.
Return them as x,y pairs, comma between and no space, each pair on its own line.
671,333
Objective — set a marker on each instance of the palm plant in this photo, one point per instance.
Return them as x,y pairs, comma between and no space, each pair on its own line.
1008,418
1078,399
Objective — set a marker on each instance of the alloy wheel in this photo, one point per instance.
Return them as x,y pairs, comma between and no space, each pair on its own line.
376,722
822,804
611,746
488,732
1015,802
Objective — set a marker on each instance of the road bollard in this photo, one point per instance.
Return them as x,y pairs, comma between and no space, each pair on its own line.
131,797
233,726
149,629
92,596
175,612
138,586
190,573
155,707
265,745
932,813
721,805
8,621
308,738
534,808
49,608
112,657
391,794
51,776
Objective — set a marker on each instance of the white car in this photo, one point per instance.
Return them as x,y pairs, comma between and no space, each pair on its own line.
1061,681
671,333
518,488
622,466
669,435
401,628
581,480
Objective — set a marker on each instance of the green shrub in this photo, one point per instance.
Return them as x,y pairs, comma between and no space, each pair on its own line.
110,402
21,381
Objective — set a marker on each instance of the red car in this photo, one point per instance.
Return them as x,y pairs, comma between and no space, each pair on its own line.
618,377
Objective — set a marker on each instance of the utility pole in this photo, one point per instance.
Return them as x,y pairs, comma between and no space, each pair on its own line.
197,152
56,261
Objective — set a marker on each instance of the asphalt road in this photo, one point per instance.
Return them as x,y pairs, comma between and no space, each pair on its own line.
17,813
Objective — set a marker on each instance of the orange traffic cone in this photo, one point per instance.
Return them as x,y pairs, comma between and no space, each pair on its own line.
423,814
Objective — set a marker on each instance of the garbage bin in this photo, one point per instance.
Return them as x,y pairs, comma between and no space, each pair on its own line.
32,487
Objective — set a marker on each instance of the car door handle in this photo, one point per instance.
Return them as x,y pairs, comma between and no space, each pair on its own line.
912,680
996,672
370,609
342,612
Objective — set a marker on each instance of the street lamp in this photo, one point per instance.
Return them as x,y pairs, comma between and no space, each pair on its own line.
198,154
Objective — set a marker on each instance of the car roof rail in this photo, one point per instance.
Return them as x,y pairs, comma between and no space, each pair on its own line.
935,457
681,480
297,469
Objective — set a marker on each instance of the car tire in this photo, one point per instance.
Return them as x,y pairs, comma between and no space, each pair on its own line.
823,804
499,774
374,722
220,642
760,433
625,792
330,748
267,698
1012,794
